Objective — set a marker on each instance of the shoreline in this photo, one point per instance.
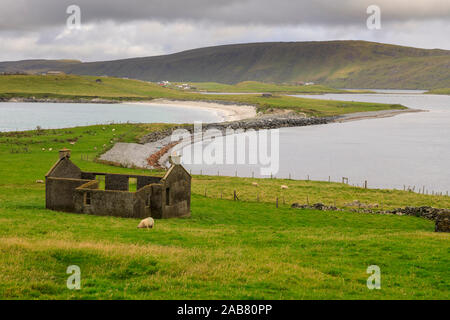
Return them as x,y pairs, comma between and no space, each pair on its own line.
138,154
232,115
374,114
228,112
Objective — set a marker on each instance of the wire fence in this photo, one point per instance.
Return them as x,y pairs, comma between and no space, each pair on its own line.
344,180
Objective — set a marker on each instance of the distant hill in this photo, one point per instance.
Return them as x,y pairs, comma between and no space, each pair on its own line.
339,64
36,65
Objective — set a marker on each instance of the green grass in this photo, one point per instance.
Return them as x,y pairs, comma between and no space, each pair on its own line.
439,91
74,87
226,250
302,191
259,87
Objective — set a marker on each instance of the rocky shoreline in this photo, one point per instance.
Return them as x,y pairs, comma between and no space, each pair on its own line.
258,123
276,121
138,154
153,142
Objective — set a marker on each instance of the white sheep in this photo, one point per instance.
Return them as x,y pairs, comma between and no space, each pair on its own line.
146,223
255,184
284,187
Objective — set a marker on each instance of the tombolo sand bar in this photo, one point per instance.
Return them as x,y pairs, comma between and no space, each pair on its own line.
72,190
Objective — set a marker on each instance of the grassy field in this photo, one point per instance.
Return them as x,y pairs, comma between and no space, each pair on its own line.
439,91
302,191
226,250
73,87
259,87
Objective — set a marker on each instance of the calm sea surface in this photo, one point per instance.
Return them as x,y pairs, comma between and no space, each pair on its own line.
411,149
17,116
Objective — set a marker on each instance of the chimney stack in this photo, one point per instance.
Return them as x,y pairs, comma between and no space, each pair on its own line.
64,153
174,159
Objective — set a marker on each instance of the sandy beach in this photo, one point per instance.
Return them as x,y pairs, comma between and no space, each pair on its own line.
374,114
228,112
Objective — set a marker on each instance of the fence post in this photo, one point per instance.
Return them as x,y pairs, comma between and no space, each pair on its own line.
277,202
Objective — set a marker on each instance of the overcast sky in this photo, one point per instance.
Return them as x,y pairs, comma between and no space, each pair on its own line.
113,29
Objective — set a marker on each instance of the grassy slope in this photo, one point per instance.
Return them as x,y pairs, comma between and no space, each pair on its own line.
302,191
71,87
35,65
394,73
226,250
439,91
256,86
339,64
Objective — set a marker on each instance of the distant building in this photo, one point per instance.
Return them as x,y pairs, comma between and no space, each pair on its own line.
52,73
164,83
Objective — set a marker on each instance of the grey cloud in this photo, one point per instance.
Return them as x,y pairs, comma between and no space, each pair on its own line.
31,14
108,40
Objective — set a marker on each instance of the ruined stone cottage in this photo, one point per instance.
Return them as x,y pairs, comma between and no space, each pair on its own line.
72,190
